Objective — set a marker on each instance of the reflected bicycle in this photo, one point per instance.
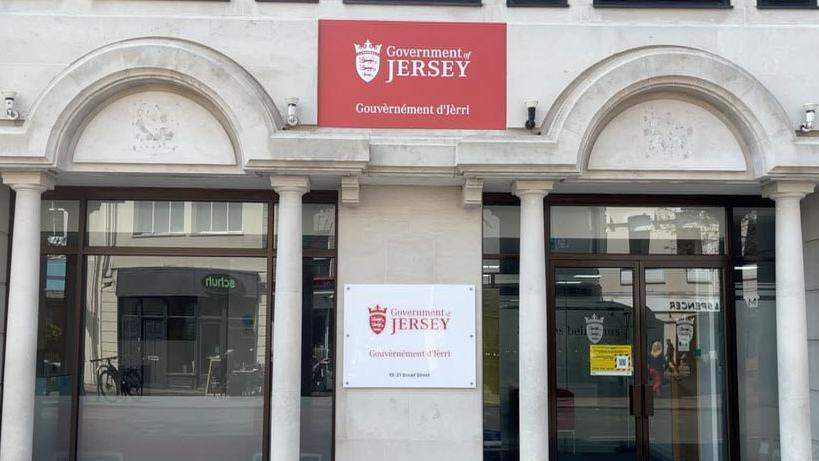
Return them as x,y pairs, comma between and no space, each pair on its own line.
112,382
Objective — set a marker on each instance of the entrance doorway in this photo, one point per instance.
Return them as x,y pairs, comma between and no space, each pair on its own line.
639,359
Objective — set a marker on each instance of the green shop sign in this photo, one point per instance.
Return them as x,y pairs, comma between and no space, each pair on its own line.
219,282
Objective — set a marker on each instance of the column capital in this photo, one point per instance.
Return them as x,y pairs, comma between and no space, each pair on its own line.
781,189
290,184
36,180
532,186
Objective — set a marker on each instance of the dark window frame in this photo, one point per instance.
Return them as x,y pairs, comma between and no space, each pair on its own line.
411,2
725,261
787,5
81,249
537,3
665,4
287,1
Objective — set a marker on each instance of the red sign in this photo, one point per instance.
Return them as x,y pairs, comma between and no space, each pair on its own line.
387,74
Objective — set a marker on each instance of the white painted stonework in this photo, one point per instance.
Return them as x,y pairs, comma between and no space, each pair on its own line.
667,134
176,93
154,127
430,239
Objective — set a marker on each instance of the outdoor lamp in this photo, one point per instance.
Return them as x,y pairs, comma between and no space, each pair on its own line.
8,99
810,117
292,117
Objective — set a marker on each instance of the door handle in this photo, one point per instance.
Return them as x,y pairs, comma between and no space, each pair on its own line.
649,395
635,406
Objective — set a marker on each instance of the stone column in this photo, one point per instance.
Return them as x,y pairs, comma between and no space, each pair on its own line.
791,321
16,441
533,326
285,400
5,234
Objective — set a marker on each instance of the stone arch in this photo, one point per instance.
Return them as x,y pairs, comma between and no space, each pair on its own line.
611,86
195,72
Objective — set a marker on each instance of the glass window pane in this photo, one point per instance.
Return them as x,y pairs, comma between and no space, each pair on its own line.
55,357
129,224
235,217
755,307
319,226
500,358
501,229
162,217
594,318
685,332
219,223
59,223
155,384
201,216
754,232
177,217
143,218
638,230
318,341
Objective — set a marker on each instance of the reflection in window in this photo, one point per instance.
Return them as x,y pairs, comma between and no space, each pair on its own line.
500,358
217,217
755,306
685,319
501,229
59,222
55,346
318,224
637,230
754,232
594,311
132,223
156,218
174,358
318,367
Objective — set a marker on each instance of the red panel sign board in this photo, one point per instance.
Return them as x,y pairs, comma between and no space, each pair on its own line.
388,74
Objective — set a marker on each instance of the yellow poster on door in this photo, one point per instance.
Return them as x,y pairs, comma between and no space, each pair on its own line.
610,360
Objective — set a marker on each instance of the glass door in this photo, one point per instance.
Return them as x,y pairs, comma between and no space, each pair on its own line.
639,370
685,361
595,326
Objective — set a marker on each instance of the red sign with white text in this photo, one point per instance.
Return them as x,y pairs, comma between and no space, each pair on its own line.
388,74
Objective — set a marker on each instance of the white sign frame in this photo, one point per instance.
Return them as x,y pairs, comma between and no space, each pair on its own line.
409,336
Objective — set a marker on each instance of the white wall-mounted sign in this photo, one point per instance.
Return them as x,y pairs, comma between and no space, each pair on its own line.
409,336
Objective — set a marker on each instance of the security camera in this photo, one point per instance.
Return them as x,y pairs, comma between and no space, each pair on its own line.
8,101
292,117
531,107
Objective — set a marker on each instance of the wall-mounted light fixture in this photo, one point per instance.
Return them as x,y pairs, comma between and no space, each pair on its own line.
8,102
809,117
292,116
531,108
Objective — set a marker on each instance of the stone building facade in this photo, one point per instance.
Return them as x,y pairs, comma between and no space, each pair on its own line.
663,111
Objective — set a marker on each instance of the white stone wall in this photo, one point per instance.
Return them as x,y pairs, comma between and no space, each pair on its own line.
277,42
5,221
810,229
408,235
